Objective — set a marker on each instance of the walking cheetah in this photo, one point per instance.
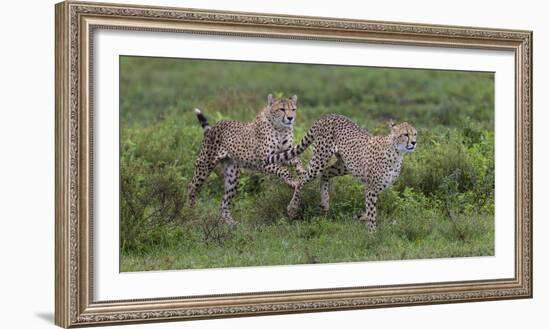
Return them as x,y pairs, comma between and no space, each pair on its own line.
238,145
374,160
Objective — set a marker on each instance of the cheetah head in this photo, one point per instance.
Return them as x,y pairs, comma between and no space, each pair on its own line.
281,112
404,136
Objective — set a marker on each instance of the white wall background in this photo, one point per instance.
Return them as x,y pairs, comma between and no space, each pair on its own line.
27,162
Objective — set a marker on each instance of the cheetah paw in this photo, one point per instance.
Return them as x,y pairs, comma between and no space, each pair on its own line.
230,221
292,211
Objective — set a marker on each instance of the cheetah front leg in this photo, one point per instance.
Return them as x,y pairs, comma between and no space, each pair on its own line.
300,170
231,175
370,210
280,171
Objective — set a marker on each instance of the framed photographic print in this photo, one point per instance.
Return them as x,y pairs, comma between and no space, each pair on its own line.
217,164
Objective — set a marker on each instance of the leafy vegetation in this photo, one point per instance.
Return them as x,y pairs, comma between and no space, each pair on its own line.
442,205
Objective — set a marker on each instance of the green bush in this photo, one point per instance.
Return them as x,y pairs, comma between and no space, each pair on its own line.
440,155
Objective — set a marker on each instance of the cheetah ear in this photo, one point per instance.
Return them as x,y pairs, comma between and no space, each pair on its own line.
269,100
294,99
391,124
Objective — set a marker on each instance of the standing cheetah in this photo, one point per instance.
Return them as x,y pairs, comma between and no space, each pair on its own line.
374,160
239,145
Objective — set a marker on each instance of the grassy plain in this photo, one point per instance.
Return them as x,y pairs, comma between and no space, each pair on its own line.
442,205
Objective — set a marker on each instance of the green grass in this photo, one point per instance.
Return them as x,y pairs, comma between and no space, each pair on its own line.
442,205
318,240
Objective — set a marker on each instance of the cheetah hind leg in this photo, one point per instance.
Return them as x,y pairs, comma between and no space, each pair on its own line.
318,161
337,169
231,173
203,168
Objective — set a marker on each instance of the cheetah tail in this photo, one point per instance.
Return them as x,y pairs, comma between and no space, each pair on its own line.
202,120
294,151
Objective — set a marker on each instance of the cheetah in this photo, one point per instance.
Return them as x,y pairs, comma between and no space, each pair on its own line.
373,160
237,145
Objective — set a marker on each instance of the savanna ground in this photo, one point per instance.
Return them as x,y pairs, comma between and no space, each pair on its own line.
442,205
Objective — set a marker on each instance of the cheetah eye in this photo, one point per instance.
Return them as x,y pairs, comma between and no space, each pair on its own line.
282,109
406,135
293,110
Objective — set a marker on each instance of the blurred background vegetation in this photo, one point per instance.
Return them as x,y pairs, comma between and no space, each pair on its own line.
442,205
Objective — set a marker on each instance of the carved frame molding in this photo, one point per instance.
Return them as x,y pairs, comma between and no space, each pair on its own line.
76,22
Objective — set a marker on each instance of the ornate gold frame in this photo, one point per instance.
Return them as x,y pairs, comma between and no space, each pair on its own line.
76,21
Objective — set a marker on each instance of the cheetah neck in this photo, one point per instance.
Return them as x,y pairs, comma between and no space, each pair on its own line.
394,159
390,147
